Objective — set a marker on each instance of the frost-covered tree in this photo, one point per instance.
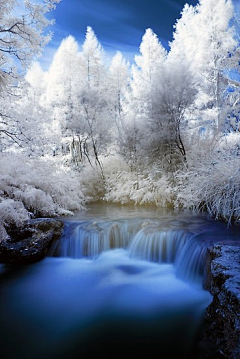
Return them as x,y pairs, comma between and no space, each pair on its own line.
204,39
93,97
9,131
28,119
174,93
118,81
36,78
22,37
33,116
214,17
139,103
231,111
79,99
151,58
22,33
211,181
63,71
28,187
92,59
63,81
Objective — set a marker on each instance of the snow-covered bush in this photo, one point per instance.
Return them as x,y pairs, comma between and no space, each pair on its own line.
36,187
125,186
12,212
213,186
118,184
92,183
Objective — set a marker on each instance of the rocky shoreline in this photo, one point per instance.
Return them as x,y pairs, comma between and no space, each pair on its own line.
221,331
31,243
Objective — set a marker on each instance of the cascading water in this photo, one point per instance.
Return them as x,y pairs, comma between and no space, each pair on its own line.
190,261
143,239
89,239
171,246
120,283
157,245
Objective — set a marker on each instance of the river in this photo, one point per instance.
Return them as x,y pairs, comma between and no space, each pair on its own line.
122,282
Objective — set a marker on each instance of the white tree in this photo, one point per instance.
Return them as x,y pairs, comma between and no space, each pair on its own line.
174,92
152,57
22,33
118,81
36,78
79,99
22,38
63,81
32,122
93,97
138,106
9,131
204,39
92,59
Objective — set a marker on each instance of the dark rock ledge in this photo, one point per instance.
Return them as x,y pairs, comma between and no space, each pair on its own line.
221,331
30,244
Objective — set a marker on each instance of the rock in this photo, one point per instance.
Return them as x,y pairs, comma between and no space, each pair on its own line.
221,331
30,244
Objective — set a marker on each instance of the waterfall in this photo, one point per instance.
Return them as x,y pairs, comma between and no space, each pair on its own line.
190,261
181,248
142,239
152,243
92,238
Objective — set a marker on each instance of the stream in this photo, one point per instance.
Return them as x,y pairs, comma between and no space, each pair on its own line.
122,282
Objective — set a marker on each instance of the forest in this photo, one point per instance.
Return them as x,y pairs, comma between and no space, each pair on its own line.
164,130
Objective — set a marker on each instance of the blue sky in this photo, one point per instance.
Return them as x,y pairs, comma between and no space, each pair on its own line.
118,24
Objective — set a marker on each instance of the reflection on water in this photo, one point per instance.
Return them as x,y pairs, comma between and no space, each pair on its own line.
118,302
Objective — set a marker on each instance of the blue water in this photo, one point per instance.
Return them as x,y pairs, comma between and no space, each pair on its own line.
112,302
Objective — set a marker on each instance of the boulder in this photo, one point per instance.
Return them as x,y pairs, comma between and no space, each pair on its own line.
31,243
221,331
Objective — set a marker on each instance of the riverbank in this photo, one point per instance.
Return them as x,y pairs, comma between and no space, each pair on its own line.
31,243
221,333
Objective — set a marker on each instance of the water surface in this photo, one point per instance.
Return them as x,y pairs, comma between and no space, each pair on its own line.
122,282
